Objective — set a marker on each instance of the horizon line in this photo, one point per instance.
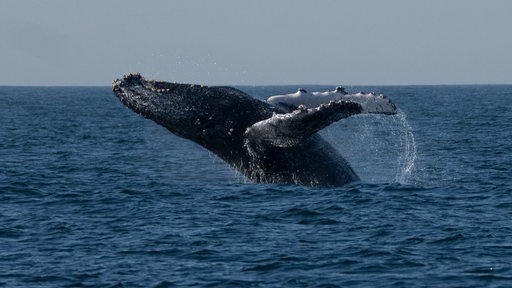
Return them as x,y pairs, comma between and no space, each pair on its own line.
265,85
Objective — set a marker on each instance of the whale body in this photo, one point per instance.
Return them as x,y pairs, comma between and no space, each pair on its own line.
265,142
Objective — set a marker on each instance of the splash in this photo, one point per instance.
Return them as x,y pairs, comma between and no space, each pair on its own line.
406,161
380,148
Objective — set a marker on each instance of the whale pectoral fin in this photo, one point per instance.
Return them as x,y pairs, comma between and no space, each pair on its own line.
372,103
290,129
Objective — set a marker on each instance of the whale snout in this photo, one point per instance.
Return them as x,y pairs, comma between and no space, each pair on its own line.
171,105
129,80
134,91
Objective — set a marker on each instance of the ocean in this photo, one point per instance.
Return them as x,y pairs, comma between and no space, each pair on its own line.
94,195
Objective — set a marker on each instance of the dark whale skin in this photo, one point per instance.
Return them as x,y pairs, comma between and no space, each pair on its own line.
222,120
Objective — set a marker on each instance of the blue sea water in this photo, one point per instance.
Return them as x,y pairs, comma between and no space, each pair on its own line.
93,195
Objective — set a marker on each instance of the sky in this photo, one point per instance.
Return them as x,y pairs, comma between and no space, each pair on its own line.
256,42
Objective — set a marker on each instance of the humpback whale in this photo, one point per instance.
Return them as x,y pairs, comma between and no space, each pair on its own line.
267,141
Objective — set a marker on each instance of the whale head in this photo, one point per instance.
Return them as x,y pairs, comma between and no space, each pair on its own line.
210,116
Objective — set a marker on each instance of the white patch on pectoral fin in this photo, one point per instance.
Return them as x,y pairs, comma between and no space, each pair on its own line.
290,129
370,102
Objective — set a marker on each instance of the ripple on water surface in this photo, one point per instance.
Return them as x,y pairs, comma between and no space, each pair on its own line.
94,195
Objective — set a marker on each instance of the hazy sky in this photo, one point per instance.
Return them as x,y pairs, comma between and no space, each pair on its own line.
253,42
